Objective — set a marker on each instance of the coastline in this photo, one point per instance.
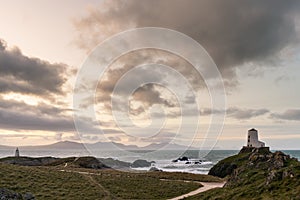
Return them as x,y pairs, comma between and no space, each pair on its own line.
267,169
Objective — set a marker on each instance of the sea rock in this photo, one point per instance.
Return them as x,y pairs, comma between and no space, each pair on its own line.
154,169
141,163
184,158
113,163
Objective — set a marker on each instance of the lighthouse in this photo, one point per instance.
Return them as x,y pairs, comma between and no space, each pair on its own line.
253,139
17,153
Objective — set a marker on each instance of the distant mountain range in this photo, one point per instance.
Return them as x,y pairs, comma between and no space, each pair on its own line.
102,145
6,147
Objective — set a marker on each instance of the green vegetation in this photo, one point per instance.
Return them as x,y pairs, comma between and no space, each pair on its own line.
256,175
138,186
49,182
45,183
251,174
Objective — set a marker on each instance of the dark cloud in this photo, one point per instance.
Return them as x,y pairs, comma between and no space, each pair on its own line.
14,120
25,75
291,114
148,94
17,115
27,121
41,109
237,34
233,32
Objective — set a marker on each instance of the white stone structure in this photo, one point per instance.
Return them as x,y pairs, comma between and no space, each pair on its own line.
253,139
17,153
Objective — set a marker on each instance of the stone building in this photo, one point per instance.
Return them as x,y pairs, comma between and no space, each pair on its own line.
253,139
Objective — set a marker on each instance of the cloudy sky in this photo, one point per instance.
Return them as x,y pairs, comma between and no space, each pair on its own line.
254,44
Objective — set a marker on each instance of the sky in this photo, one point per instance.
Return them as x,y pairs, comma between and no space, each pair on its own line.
44,45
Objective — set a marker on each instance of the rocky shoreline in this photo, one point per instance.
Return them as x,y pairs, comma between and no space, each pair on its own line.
82,162
256,173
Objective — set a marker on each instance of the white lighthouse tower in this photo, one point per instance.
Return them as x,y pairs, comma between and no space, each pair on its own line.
17,153
253,139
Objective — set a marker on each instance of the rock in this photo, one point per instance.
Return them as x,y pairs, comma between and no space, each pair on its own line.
184,158
113,163
6,194
261,150
28,161
141,163
222,170
89,162
28,196
154,169
288,174
273,176
85,162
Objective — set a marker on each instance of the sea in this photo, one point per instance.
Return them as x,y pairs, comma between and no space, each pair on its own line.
199,162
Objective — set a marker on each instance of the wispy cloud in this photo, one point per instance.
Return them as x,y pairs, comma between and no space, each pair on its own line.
291,114
242,114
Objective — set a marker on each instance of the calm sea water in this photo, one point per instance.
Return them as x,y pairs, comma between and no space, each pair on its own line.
163,159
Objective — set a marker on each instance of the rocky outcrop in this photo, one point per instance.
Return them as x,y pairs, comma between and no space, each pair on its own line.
141,163
154,169
255,162
184,158
253,149
113,163
89,162
28,161
6,194
222,169
84,162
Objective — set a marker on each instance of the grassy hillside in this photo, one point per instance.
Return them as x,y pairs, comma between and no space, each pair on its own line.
256,175
51,183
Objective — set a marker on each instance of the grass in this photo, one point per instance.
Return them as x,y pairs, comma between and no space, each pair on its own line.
51,183
47,184
138,186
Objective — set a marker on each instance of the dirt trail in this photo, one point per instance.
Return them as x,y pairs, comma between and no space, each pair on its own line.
88,175
206,186
107,193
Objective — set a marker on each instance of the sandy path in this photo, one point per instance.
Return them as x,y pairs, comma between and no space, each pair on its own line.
206,186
